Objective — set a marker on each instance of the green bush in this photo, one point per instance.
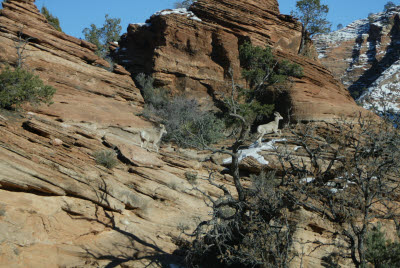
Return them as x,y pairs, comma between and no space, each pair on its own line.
21,86
266,76
260,66
380,252
156,97
191,177
102,37
52,20
106,158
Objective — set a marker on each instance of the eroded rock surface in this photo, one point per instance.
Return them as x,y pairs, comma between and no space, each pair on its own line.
192,53
58,207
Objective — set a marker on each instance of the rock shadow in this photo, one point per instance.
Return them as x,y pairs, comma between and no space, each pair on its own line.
133,249
355,55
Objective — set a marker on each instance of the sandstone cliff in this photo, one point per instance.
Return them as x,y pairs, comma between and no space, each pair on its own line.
58,208
365,57
191,52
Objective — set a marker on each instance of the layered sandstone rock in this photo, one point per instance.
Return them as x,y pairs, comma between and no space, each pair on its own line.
192,52
86,91
59,208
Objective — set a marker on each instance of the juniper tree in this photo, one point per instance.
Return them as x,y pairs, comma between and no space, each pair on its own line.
52,20
313,16
102,37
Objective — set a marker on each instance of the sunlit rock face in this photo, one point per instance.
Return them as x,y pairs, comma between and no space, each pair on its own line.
365,57
191,52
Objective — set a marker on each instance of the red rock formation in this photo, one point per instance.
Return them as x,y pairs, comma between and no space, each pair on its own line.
85,90
58,208
192,53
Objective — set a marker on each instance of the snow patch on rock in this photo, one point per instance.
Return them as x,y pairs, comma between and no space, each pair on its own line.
179,11
254,151
384,94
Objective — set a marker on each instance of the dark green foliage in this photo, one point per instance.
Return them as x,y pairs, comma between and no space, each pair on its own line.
101,37
262,71
156,97
388,6
380,252
313,16
185,122
52,20
339,26
21,86
106,158
183,4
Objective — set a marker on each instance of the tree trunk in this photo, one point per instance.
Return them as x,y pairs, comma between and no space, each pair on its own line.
236,175
303,39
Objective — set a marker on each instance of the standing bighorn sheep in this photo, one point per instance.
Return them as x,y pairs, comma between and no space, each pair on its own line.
272,126
153,137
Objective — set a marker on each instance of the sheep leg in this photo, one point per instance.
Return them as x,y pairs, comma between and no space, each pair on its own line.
260,138
155,146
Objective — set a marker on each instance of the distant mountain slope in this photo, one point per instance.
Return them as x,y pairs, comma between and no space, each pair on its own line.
365,56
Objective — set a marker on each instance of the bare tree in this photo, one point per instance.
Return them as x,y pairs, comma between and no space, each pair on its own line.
248,226
20,46
349,175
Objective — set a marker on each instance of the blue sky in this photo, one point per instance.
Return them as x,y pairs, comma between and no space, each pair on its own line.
75,15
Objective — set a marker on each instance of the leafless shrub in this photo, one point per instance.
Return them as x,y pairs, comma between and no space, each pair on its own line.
350,176
255,232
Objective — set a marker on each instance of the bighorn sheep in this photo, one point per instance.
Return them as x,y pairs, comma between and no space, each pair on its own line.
153,137
272,126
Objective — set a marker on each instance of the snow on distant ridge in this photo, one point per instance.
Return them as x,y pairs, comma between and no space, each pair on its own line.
384,93
179,11
352,31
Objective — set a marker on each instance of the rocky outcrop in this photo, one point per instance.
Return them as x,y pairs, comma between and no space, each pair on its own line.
365,57
86,91
191,52
58,207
